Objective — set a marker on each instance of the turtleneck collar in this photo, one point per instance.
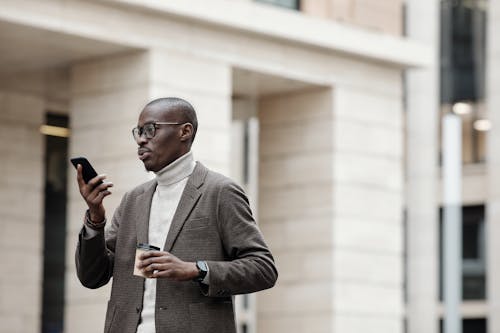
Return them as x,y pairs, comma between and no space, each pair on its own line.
177,170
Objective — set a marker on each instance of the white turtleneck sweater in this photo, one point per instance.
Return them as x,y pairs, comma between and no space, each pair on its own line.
171,181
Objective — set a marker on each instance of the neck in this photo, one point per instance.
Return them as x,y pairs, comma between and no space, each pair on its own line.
177,170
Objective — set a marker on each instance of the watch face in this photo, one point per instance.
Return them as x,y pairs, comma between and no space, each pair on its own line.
202,270
201,265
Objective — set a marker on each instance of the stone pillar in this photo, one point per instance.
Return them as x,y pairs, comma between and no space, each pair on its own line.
295,210
21,211
107,97
422,174
493,167
330,204
368,202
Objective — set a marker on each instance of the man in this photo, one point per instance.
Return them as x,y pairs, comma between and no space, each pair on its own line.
212,248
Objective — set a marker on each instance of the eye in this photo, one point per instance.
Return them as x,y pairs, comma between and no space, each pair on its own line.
149,129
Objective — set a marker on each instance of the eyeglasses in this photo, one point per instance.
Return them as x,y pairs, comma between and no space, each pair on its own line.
149,129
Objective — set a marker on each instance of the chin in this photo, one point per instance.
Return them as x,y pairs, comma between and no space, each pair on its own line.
147,166
150,168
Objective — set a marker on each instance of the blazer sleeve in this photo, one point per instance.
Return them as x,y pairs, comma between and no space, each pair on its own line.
94,256
250,267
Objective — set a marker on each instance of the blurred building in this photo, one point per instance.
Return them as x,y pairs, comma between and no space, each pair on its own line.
327,111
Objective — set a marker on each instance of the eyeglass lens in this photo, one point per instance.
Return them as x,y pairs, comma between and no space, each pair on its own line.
148,130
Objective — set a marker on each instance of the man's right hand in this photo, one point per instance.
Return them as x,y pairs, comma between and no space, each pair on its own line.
93,193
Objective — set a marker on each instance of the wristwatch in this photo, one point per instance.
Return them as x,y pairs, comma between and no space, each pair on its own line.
202,270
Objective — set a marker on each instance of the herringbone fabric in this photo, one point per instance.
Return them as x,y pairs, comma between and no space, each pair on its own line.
213,222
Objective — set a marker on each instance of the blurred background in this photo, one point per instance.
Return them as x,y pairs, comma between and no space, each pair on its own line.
328,112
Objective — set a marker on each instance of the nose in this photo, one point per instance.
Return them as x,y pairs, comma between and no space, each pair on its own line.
141,139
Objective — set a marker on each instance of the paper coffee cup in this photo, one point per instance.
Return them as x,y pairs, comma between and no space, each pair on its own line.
141,248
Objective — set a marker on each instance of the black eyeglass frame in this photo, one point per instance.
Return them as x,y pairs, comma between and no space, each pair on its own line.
137,131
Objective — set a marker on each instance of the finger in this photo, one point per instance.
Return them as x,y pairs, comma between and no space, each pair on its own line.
79,177
102,194
99,196
146,274
104,186
156,267
154,260
100,188
168,273
142,264
97,180
105,193
99,192
163,260
149,254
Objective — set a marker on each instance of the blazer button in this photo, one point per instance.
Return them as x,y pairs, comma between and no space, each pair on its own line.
138,309
163,307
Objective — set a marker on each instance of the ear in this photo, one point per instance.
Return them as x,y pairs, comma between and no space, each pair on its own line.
186,133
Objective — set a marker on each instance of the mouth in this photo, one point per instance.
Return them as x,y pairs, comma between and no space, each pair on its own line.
143,153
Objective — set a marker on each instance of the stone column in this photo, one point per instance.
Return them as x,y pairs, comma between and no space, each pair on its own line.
422,148
21,210
107,97
330,204
368,199
493,167
295,210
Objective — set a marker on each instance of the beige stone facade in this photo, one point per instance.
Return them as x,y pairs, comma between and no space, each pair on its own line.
22,183
339,145
385,16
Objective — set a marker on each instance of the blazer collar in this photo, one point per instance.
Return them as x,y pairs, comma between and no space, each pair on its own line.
143,207
189,198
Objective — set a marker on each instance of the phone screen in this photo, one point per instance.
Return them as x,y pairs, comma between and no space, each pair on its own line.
88,172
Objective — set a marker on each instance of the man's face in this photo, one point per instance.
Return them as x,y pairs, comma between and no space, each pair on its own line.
166,145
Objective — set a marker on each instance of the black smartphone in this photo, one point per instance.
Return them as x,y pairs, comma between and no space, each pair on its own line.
88,172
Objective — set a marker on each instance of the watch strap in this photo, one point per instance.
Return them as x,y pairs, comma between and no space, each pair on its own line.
202,270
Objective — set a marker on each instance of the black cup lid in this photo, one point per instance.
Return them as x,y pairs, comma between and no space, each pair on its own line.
147,247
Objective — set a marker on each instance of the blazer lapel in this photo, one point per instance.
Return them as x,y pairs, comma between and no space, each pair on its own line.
143,204
188,200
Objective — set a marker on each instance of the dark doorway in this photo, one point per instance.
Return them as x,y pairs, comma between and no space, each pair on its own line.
54,248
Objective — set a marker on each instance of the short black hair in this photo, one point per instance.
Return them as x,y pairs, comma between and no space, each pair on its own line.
185,109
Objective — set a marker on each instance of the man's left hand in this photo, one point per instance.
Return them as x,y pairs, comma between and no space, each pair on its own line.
160,264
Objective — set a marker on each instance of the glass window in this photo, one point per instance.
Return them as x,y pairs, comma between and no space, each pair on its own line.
473,325
463,40
473,253
474,261
462,64
292,4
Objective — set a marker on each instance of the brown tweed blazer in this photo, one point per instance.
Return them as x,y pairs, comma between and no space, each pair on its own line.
213,222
